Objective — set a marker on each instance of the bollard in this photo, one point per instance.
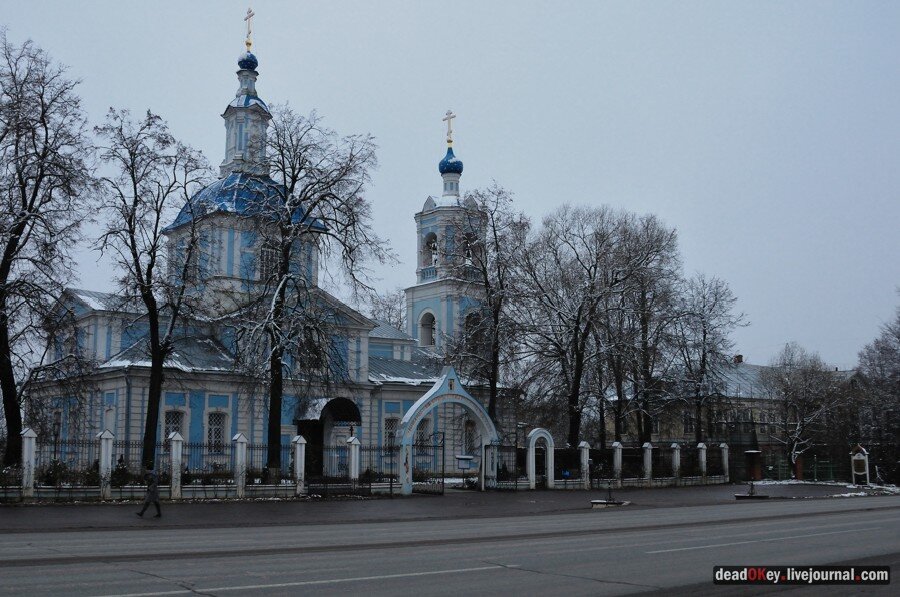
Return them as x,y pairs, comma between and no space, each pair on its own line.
724,447
585,450
240,464
353,445
676,460
176,450
106,438
648,460
617,460
299,462
29,441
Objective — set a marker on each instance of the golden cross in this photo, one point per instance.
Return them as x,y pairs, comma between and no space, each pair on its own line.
249,19
449,120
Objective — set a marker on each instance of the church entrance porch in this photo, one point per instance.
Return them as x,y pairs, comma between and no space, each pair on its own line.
327,458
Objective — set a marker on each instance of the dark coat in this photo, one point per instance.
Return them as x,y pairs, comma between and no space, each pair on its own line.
152,486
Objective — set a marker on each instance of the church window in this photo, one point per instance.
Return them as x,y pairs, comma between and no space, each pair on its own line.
430,250
426,330
654,425
268,262
215,432
391,426
173,421
688,421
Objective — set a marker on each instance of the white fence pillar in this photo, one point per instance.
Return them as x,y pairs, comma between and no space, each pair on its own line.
676,460
585,450
724,447
106,438
353,447
701,457
648,460
29,447
176,450
240,464
617,460
299,462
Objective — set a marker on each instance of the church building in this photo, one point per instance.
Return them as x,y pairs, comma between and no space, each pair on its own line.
205,396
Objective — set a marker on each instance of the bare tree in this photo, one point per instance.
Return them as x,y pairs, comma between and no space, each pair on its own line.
652,250
563,276
389,307
45,175
488,236
319,179
806,392
152,177
879,364
701,335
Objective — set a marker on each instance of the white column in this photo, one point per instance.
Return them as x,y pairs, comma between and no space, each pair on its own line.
701,451
29,447
106,438
585,451
617,459
406,472
648,460
299,462
240,464
529,466
550,465
724,447
353,447
676,460
176,450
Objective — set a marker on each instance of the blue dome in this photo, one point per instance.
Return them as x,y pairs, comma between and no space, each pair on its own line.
248,61
450,164
238,193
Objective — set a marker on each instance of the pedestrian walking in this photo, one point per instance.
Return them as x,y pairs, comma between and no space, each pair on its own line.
151,496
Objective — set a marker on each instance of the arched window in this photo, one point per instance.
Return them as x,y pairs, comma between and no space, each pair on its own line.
426,330
430,250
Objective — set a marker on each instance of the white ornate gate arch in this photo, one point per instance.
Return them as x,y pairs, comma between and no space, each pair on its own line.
448,390
533,437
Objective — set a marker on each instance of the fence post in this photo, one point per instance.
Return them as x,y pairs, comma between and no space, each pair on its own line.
353,445
240,464
648,460
617,460
176,450
701,457
106,438
724,447
299,462
676,460
29,446
585,449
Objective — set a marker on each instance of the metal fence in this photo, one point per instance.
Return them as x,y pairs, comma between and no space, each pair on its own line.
661,460
714,465
690,462
510,468
258,471
632,463
567,464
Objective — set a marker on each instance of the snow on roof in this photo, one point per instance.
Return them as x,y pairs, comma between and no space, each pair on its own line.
423,368
98,301
189,354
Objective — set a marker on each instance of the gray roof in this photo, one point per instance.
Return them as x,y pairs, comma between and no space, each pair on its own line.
386,330
742,380
189,354
423,368
98,301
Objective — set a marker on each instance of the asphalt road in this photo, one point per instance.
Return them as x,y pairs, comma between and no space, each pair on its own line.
583,552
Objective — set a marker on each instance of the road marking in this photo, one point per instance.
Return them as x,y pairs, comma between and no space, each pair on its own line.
330,581
763,540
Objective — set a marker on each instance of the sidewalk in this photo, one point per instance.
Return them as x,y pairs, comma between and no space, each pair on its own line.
454,504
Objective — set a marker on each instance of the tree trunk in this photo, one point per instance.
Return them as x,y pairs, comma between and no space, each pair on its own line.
276,388
154,392
13,454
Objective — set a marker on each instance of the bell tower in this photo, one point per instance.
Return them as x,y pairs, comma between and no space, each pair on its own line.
441,297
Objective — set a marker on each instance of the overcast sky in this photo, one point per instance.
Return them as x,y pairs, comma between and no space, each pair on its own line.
765,132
